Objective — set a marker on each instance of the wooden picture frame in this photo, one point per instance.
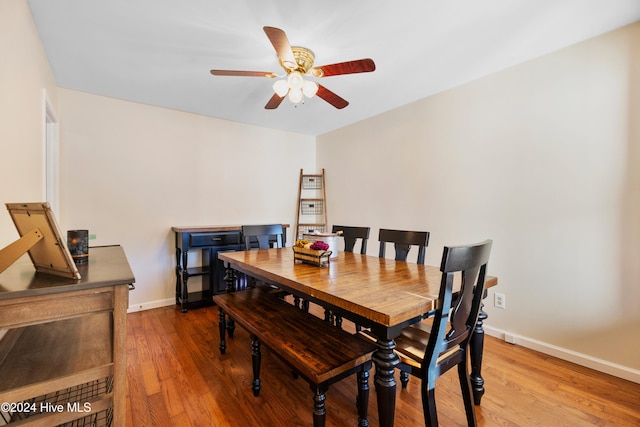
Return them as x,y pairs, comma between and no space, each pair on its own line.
41,237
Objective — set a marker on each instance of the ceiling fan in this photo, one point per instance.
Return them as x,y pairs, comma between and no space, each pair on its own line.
298,62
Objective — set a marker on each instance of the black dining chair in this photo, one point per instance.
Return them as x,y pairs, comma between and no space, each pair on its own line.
351,235
263,235
429,349
403,241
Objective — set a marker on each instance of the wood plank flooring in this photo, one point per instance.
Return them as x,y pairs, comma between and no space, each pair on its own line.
177,377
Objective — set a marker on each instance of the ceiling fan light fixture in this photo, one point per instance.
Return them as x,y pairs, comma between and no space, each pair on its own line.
297,62
309,88
281,87
295,80
295,95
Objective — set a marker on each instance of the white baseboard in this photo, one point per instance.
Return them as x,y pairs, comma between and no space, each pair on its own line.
151,304
581,359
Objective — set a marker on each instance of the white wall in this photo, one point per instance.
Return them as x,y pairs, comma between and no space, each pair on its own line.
542,158
130,172
24,74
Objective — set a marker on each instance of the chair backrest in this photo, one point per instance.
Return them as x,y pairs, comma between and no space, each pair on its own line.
454,321
262,234
351,235
403,240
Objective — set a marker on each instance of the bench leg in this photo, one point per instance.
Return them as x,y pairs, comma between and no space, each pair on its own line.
256,357
222,326
362,401
319,411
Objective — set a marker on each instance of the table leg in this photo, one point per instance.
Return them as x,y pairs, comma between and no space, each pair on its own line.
185,279
385,360
476,348
230,279
256,358
178,274
222,327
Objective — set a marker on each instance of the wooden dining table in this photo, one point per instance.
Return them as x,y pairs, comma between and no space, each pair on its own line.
379,293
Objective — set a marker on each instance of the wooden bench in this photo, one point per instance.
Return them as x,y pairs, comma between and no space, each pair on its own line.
316,350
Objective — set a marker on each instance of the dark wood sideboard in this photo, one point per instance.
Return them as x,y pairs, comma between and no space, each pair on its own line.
63,351
210,240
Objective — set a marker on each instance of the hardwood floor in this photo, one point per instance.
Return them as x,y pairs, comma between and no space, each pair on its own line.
177,377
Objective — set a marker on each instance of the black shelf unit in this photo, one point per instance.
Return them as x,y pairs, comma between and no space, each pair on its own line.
209,241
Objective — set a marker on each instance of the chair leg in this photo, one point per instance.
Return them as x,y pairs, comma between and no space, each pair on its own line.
256,357
429,407
319,411
331,317
338,321
231,327
467,393
404,378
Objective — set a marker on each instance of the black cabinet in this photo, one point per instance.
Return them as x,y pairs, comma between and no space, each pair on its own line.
209,241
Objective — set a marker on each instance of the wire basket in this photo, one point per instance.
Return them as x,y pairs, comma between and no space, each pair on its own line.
312,207
73,398
312,182
312,228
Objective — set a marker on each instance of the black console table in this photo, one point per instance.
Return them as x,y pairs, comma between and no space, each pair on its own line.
209,240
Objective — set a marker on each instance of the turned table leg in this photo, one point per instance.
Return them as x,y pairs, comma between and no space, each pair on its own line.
222,326
256,357
178,275
385,360
230,279
185,279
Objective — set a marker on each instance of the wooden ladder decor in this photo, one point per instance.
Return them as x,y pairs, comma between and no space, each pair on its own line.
312,206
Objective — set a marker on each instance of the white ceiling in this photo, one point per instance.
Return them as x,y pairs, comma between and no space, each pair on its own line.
159,52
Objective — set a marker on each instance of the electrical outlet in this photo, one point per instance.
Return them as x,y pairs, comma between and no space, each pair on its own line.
499,300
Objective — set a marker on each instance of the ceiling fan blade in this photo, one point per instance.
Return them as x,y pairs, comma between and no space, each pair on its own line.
350,67
274,102
331,97
243,73
281,44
